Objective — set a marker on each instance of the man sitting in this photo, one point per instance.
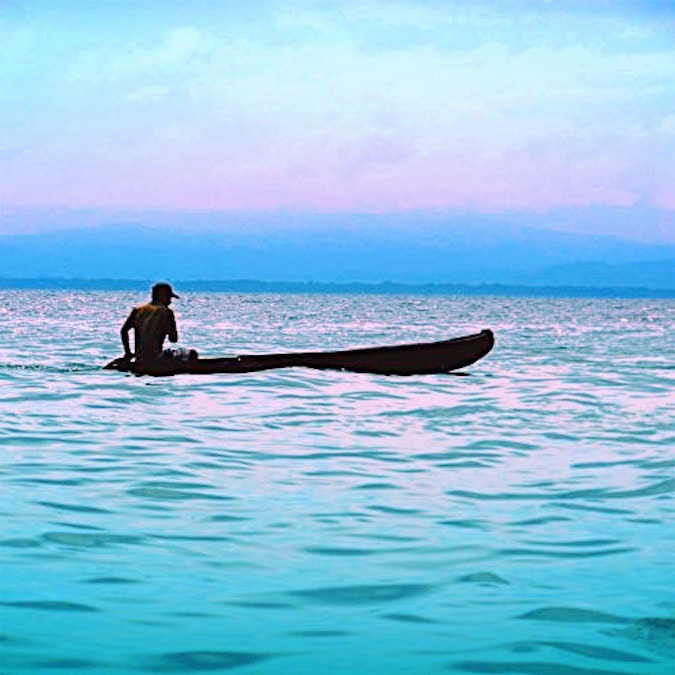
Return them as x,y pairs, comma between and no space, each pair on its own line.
152,323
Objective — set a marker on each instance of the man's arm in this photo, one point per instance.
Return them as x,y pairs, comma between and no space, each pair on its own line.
124,333
172,332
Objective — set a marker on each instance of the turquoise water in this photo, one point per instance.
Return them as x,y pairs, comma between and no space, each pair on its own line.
517,520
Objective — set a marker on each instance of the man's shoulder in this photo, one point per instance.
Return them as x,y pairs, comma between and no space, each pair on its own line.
151,307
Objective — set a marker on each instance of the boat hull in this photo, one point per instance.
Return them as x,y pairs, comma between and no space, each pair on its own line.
422,358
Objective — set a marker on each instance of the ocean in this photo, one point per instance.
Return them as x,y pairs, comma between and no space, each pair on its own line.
518,519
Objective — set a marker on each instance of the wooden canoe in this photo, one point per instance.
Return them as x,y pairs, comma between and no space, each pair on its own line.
409,359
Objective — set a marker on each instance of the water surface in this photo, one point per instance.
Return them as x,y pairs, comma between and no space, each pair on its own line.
516,520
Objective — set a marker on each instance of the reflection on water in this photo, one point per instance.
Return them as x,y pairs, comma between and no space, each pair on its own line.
512,521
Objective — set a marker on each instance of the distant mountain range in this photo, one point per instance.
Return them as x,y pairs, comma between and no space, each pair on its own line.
405,248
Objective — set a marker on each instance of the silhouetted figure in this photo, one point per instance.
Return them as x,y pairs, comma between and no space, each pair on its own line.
152,323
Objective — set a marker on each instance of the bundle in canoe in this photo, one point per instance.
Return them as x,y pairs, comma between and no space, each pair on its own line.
421,358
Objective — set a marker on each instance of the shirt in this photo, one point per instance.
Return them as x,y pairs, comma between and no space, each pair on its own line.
152,323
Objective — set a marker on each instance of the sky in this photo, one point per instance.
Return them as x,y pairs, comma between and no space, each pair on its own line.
337,106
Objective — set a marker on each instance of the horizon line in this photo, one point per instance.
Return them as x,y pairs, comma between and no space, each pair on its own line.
383,287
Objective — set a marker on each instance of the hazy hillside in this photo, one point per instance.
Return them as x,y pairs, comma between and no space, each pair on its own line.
659,274
363,248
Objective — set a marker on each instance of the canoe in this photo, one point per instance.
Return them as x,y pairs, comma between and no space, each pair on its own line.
421,358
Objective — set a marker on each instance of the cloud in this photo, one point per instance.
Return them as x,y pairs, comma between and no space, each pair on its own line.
149,94
178,48
16,45
341,105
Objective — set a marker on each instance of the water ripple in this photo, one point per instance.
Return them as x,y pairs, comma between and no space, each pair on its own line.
306,522
50,605
529,668
202,661
360,595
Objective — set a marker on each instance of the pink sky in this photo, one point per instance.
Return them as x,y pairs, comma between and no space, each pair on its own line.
335,106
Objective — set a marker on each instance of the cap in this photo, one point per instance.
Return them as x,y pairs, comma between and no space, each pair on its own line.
163,286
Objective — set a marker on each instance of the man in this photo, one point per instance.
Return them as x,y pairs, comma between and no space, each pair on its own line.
152,323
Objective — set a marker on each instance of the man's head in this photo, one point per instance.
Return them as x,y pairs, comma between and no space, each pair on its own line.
162,293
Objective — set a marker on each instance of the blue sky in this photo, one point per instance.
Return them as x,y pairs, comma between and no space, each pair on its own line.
336,106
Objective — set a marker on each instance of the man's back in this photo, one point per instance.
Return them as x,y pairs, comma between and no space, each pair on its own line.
152,323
